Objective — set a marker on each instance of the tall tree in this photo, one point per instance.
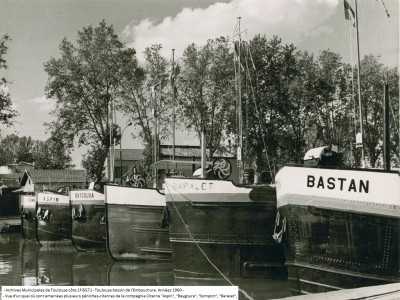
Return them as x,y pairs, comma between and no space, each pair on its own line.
332,106
8,149
302,94
392,77
148,93
7,112
206,87
49,154
269,105
86,81
373,74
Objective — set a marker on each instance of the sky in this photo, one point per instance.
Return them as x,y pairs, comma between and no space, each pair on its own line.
38,26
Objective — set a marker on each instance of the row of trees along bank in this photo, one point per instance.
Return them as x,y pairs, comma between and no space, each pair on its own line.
292,100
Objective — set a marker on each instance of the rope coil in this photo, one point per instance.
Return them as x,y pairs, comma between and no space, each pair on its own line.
277,236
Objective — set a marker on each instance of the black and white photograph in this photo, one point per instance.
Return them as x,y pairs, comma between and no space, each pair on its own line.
199,149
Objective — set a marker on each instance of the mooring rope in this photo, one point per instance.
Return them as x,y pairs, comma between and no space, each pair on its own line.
217,219
200,249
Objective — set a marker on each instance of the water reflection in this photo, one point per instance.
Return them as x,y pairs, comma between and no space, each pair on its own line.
141,273
10,249
90,268
54,264
28,263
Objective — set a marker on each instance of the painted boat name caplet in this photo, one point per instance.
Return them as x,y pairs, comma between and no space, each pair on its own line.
339,183
201,186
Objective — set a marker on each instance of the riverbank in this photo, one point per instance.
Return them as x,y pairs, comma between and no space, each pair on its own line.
10,224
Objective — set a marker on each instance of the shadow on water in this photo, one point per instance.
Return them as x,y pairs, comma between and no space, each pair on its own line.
141,273
28,263
90,268
10,249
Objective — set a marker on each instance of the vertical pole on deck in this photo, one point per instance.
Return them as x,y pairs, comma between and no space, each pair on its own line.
203,154
173,104
359,94
386,127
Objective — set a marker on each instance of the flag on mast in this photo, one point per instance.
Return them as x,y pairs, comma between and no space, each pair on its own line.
349,13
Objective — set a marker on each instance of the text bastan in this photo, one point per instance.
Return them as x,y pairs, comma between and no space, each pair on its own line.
339,183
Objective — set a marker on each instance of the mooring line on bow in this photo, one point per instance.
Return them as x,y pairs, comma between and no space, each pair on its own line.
201,250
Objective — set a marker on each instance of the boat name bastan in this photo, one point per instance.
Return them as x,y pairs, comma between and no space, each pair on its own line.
338,183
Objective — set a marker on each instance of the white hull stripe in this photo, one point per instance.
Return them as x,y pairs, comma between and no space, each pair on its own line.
49,198
86,195
87,202
28,201
352,186
220,198
202,186
133,196
337,204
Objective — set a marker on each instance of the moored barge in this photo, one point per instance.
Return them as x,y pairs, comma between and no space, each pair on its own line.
136,224
53,217
220,229
88,231
28,217
340,227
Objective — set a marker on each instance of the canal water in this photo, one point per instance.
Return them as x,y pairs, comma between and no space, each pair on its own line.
28,264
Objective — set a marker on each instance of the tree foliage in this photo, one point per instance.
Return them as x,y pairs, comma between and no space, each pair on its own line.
147,96
52,154
49,154
373,76
269,118
206,90
86,81
291,100
7,112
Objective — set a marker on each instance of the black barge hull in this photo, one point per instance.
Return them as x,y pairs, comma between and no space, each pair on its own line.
54,218
218,229
28,217
136,224
88,220
342,227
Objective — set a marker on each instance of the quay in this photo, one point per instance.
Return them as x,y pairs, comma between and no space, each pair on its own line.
10,224
381,292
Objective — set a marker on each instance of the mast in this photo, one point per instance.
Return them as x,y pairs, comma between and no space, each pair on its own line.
240,120
359,93
111,154
155,133
173,103
203,154
386,127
